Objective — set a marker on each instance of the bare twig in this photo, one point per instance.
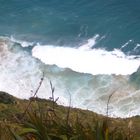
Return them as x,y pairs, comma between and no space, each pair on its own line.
68,113
52,98
35,93
108,101
52,91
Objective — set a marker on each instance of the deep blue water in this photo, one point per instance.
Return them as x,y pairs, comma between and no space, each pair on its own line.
69,22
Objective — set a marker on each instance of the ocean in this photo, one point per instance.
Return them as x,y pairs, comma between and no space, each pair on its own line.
88,49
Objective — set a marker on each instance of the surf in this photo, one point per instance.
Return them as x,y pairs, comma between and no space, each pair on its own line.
21,73
87,59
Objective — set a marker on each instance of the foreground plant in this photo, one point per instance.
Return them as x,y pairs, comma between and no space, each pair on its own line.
45,120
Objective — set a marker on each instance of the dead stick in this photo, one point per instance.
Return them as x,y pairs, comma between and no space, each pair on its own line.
40,83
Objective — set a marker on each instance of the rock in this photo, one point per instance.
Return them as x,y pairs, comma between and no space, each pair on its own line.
6,98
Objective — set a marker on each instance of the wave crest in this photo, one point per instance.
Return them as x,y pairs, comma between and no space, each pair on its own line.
21,73
85,60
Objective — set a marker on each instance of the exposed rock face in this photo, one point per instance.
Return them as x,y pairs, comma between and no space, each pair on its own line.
6,98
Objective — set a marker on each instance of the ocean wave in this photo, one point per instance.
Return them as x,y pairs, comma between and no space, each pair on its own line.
84,59
21,73
21,42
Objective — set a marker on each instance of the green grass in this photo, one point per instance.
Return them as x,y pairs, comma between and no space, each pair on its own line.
45,120
41,119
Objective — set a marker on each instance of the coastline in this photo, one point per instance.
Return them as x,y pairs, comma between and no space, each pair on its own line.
13,109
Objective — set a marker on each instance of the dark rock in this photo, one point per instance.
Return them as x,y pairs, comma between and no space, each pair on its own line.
6,98
37,99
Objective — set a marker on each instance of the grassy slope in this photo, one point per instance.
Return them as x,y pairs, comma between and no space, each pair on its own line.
13,112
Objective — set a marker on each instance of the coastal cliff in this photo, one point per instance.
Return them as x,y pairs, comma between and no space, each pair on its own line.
26,119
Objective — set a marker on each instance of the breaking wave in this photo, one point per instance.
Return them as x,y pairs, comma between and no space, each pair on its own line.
90,75
87,59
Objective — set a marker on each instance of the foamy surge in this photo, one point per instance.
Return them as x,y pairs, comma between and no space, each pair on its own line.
23,43
84,59
20,73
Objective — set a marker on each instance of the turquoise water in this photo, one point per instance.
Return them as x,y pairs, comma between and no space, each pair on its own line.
68,22
89,49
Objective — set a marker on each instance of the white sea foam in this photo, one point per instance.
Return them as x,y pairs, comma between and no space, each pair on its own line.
20,73
90,43
137,47
126,44
23,43
85,60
